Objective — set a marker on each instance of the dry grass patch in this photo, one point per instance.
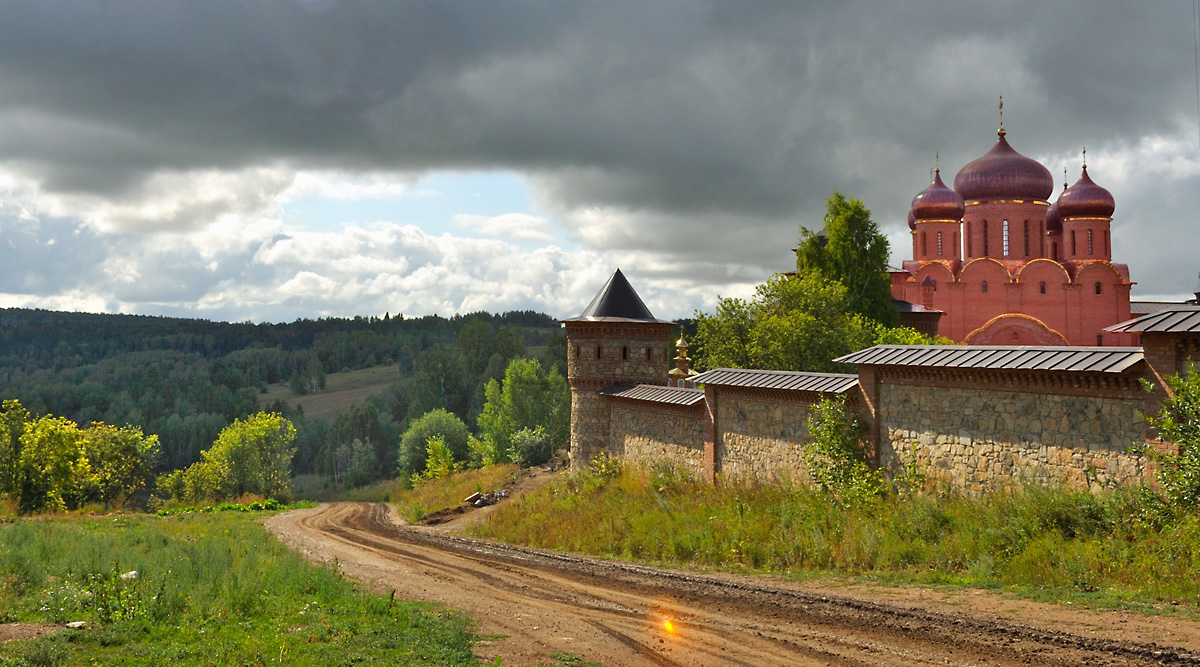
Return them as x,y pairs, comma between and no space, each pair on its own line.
439,494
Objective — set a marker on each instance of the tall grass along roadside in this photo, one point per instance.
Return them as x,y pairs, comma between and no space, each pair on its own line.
1113,548
208,589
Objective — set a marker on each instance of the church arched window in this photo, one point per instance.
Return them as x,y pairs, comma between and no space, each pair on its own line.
1042,287
1005,238
1089,243
983,287
939,244
1098,287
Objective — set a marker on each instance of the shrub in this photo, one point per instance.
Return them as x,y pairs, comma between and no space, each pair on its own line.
435,423
530,447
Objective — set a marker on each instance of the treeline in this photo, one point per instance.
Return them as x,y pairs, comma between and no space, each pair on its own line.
186,380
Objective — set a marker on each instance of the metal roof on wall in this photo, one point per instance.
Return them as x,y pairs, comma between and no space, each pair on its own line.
657,394
1001,357
1176,319
829,383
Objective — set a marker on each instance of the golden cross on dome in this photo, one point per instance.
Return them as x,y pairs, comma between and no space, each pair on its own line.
1064,178
937,162
1002,113
1085,157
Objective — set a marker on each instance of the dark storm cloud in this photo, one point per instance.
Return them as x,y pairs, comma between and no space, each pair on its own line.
721,125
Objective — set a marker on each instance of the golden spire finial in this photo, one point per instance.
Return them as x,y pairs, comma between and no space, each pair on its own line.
937,162
1085,157
1064,178
1001,131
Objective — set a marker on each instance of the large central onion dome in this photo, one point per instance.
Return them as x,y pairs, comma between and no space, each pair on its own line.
1003,173
1085,199
937,202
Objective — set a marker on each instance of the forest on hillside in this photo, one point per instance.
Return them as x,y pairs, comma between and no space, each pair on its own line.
184,380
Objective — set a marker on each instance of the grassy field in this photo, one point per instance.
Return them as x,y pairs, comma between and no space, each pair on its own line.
1115,549
342,391
211,589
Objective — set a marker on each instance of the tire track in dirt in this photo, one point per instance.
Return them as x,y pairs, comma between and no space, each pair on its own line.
531,604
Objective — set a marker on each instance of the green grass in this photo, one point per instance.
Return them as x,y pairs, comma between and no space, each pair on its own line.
213,588
437,494
1116,549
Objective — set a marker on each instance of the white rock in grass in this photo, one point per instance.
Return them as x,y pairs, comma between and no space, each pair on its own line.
131,575
77,625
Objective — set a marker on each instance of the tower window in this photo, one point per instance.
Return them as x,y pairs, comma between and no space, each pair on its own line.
576,351
1099,339
968,240
1089,243
983,287
1107,249
1042,287
1098,288
1074,250
924,244
939,244
1026,238
598,348
649,354
1005,239
624,353
985,238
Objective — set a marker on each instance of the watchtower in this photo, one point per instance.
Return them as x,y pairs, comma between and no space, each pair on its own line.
616,341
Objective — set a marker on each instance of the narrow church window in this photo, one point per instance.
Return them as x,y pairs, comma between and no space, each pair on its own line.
939,244
983,287
954,236
1099,339
624,353
968,240
1074,250
1107,250
985,238
1005,238
1042,287
1089,243
1097,288
924,244
1026,238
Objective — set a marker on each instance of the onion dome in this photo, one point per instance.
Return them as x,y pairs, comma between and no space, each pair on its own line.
1085,199
937,202
912,220
1003,173
1053,219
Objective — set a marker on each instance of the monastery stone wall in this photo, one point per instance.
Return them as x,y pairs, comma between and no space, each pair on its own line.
649,432
976,439
762,437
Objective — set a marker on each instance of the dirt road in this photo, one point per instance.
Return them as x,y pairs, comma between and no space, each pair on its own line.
535,604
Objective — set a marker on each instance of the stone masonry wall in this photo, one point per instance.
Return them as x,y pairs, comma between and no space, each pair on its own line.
590,417
977,438
761,436
646,435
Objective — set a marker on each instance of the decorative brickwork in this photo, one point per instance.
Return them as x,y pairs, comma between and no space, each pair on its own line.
976,439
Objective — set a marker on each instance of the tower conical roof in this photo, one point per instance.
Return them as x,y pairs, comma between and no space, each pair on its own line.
617,301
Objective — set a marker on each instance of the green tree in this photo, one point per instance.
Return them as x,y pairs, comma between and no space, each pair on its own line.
12,424
436,423
253,455
119,460
529,399
791,323
53,465
835,458
1178,422
854,253
440,381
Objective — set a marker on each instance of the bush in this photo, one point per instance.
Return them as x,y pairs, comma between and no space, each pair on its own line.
530,447
435,423
1178,422
835,459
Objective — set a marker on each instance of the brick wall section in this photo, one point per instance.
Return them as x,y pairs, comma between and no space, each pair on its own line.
762,433
645,431
590,419
976,439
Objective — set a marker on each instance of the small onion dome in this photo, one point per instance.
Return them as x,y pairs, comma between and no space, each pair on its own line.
1085,199
1053,219
1003,173
912,220
937,202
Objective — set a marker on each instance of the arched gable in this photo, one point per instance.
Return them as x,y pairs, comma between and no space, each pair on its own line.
939,272
1102,271
985,269
1015,329
1043,269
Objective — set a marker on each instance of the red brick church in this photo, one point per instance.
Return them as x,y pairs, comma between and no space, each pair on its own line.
1007,267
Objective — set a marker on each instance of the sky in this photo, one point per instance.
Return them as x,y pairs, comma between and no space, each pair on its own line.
282,159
